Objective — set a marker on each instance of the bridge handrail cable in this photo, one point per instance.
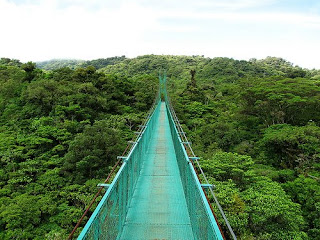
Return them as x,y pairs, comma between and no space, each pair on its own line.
189,149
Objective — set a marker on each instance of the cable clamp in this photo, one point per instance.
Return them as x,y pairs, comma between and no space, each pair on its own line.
105,185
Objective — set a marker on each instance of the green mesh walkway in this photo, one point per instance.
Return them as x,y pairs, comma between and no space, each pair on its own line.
156,193
158,209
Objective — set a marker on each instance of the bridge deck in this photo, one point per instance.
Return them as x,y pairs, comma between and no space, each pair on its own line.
158,208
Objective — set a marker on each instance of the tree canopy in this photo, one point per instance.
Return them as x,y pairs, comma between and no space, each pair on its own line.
254,123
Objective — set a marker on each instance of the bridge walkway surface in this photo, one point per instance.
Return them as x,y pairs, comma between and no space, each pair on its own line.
158,208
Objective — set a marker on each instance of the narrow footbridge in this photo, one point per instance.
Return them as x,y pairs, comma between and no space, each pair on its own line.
156,194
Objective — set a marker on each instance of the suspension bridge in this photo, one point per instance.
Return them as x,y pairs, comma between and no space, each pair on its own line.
157,192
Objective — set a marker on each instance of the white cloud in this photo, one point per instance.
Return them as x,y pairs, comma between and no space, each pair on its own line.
204,4
41,30
305,20
44,31
236,4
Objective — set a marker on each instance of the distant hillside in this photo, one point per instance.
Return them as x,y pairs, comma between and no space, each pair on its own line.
74,63
219,69
59,63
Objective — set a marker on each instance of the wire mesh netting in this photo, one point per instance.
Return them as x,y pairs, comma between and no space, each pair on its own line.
108,219
203,224
156,193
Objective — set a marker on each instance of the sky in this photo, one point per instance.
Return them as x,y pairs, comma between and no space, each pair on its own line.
38,30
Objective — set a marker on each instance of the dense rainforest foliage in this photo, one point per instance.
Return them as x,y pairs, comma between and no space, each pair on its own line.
60,133
256,125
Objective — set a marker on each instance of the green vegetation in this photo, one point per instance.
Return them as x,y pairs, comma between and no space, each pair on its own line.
60,133
256,125
72,63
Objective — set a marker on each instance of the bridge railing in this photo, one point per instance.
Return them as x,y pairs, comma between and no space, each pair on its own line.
204,225
108,219
204,222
